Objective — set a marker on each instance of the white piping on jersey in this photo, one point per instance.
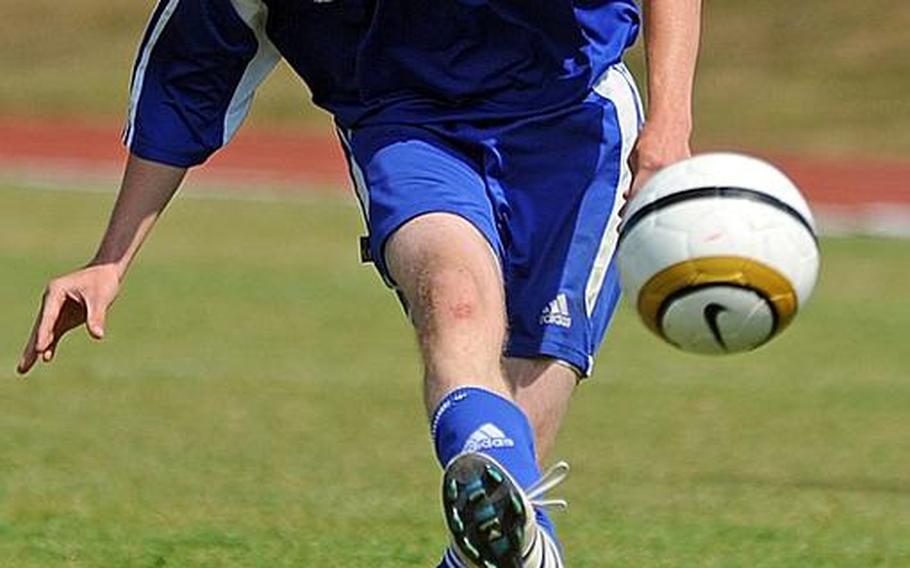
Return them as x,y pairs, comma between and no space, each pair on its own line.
255,14
617,88
139,75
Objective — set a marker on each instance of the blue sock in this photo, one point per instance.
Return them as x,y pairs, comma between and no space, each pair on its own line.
475,419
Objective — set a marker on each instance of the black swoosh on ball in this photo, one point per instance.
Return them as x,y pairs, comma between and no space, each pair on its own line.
712,311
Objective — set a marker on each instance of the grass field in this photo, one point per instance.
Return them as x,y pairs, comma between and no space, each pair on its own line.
824,76
256,403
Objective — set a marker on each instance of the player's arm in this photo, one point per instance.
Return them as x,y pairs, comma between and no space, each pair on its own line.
672,33
84,296
192,86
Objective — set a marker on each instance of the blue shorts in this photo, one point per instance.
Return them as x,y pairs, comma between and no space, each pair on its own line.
545,191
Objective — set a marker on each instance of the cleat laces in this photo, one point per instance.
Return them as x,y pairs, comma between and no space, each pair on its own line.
550,479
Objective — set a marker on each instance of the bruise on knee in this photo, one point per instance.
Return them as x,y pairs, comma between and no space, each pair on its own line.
462,310
447,294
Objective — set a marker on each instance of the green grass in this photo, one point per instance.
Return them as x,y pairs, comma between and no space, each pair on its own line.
823,76
257,403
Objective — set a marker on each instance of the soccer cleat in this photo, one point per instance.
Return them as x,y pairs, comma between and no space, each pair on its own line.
492,520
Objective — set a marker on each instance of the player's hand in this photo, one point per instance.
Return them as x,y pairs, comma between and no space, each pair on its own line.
80,297
658,146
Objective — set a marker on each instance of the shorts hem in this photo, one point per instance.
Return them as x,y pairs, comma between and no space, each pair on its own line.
580,362
397,222
167,157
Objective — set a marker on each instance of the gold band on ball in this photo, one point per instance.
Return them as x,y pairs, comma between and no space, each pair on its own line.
722,270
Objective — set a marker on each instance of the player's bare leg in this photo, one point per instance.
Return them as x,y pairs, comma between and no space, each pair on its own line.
452,284
543,388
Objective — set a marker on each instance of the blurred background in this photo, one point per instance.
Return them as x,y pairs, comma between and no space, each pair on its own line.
257,400
820,76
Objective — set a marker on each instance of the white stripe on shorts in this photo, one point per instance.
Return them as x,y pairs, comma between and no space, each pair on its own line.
451,560
615,87
139,75
255,14
360,183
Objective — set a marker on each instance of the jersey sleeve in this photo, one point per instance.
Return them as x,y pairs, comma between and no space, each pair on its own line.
198,67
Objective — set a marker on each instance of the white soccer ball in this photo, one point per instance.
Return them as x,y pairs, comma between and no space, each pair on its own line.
718,252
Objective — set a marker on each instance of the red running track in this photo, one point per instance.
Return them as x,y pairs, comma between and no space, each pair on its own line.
307,160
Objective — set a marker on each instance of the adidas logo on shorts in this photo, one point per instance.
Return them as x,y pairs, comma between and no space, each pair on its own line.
557,312
487,437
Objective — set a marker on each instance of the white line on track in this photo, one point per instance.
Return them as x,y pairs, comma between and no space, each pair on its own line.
105,185
870,219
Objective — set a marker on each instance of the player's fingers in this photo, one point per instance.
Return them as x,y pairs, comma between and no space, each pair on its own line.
32,352
50,312
632,160
641,177
29,354
96,314
635,169
48,354
27,361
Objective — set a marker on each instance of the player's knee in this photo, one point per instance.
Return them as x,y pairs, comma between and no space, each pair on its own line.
449,295
446,271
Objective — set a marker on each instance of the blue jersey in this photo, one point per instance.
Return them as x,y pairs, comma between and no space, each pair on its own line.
366,62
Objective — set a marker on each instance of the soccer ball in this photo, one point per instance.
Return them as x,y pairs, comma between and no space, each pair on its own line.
718,252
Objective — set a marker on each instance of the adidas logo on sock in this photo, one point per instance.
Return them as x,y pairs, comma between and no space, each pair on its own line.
487,437
557,312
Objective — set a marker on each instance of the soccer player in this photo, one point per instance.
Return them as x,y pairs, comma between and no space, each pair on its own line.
492,144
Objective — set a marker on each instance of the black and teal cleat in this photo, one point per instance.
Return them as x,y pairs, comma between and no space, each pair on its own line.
492,520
